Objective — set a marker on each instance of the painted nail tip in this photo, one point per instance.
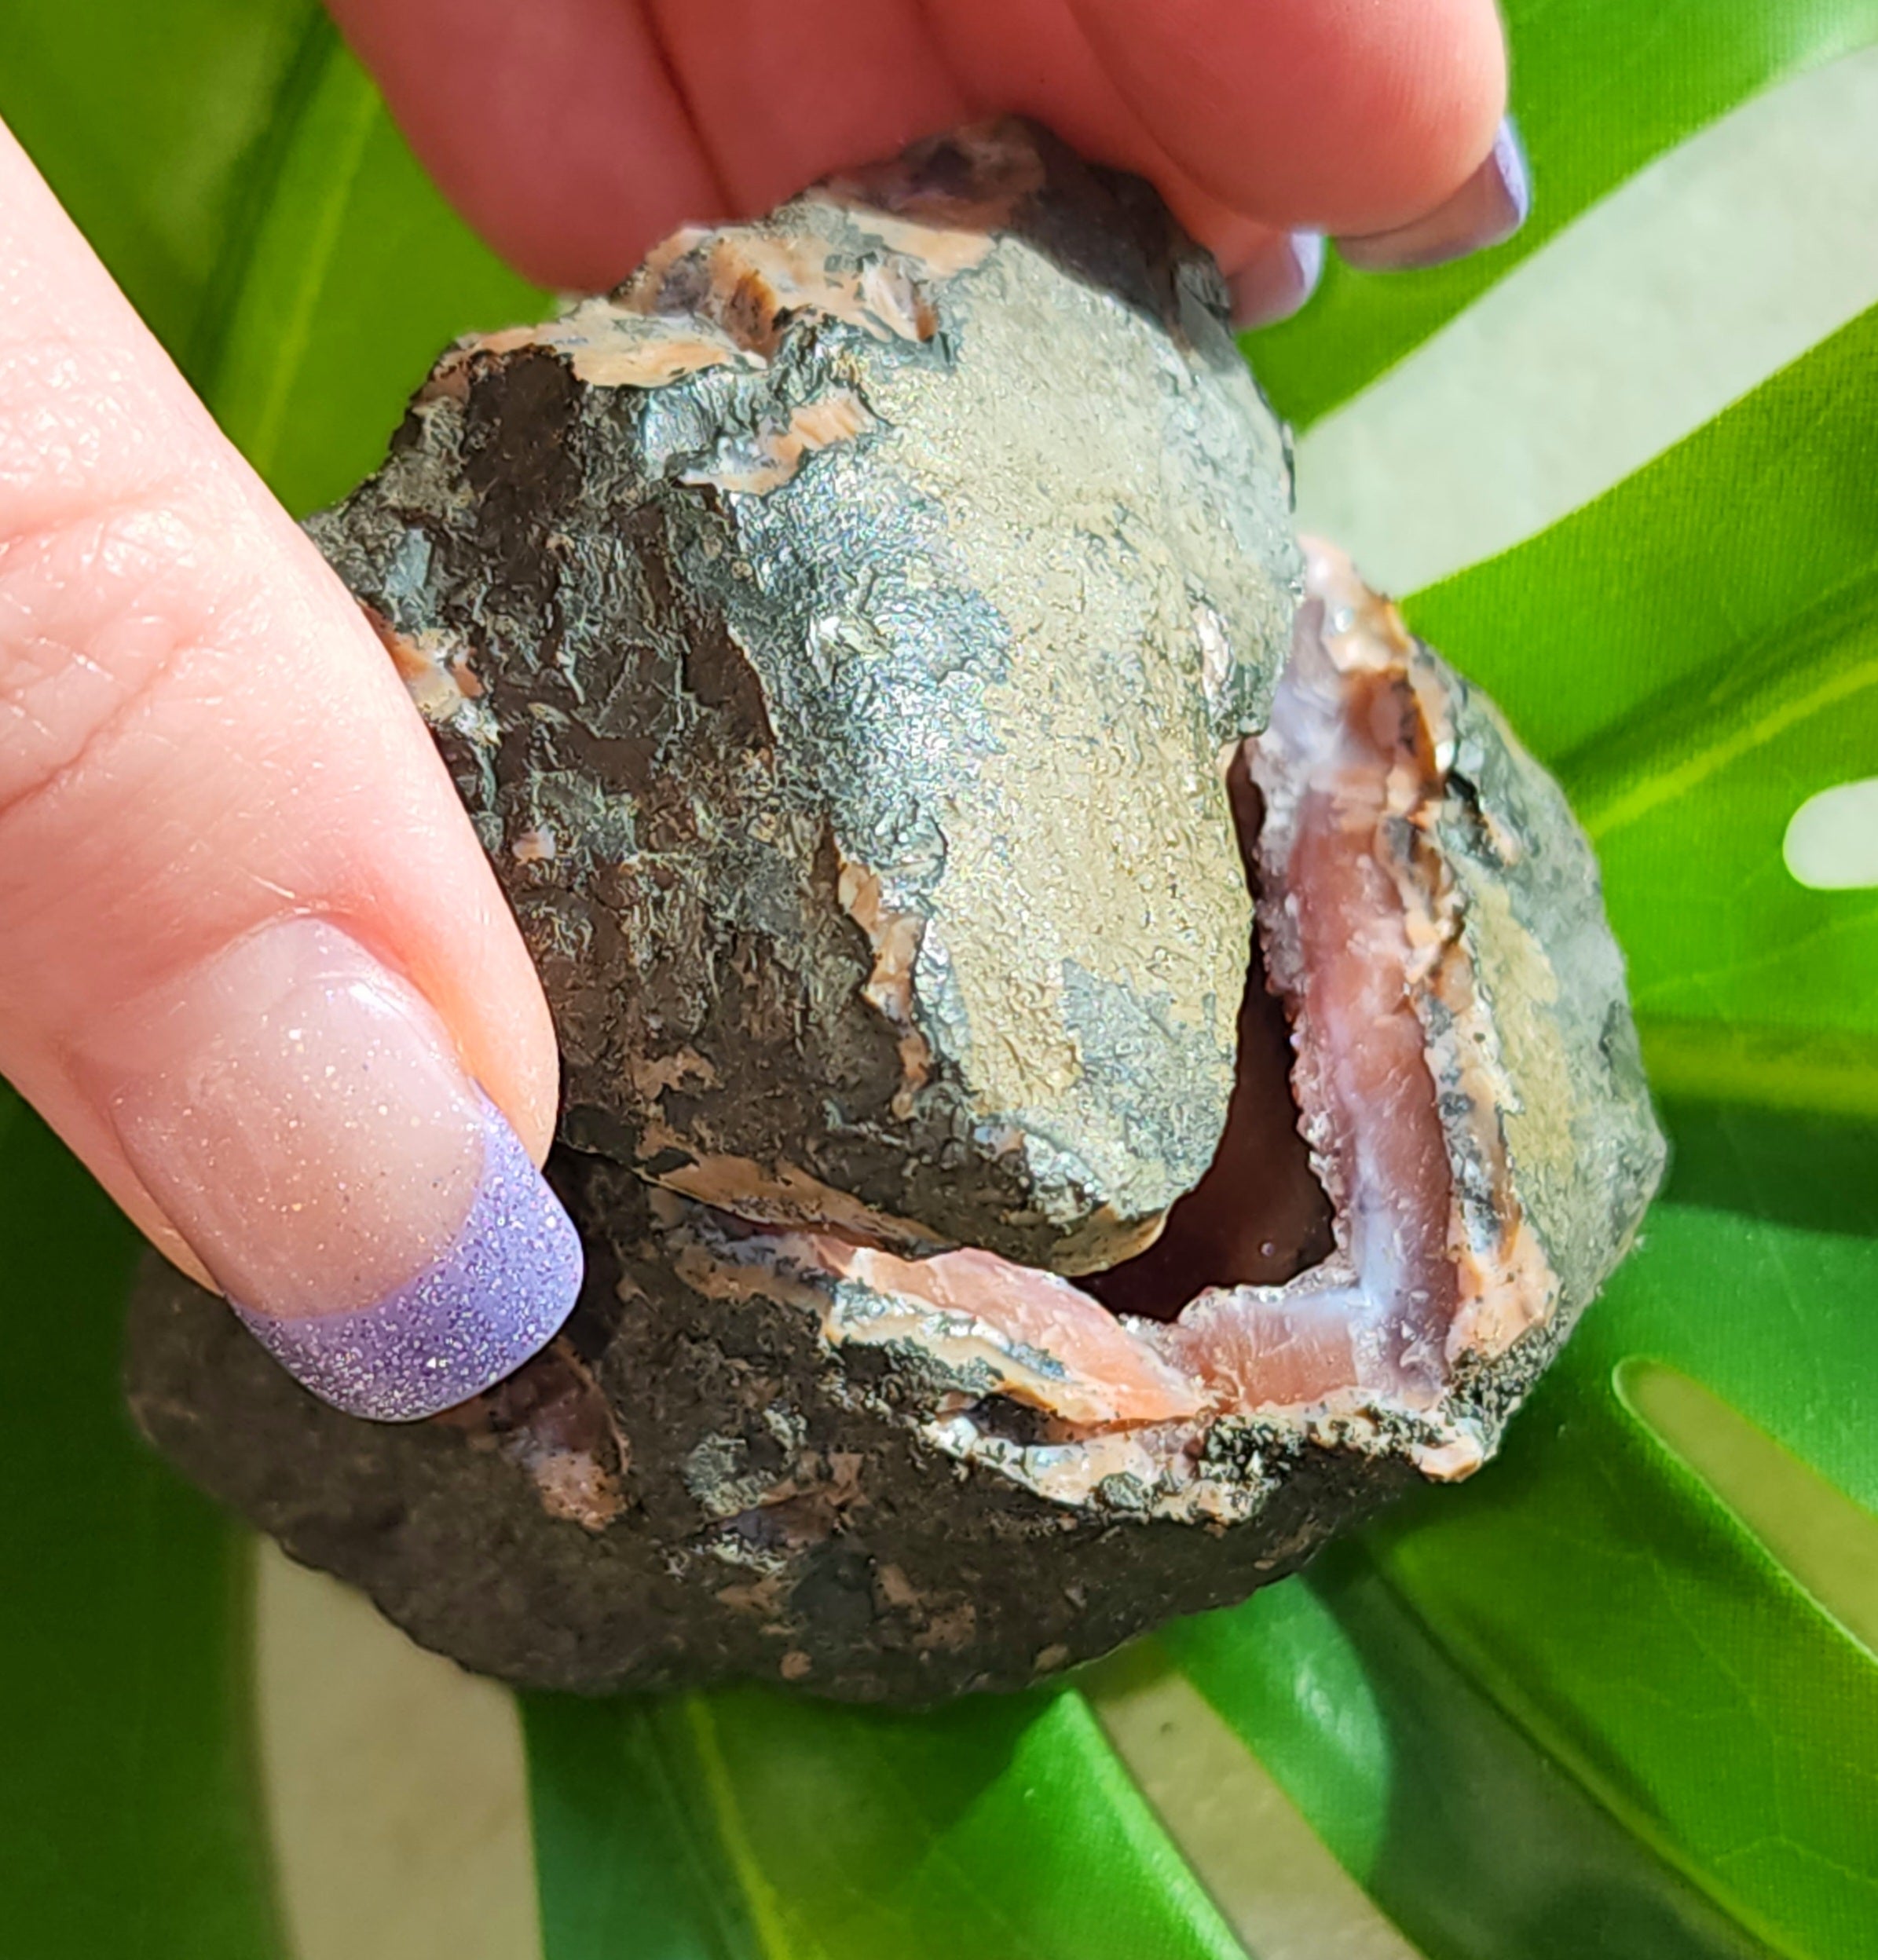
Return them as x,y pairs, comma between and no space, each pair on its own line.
1307,247
1487,210
1279,283
495,1300
1510,151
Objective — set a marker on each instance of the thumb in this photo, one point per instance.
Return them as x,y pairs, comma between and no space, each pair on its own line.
254,967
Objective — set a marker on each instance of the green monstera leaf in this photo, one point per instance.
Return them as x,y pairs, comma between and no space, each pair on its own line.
1618,1695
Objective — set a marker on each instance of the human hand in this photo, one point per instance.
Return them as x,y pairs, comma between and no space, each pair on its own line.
573,134
253,965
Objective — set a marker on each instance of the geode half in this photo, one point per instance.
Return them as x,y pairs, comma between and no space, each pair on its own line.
833,1409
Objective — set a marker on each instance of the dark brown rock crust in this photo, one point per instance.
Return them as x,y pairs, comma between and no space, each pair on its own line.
735,1500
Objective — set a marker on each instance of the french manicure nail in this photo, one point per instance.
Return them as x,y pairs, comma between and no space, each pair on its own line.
298,1112
1489,207
1279,280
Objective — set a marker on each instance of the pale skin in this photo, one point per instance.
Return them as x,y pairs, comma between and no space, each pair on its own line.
200,736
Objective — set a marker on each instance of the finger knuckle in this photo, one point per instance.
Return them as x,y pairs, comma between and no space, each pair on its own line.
100,602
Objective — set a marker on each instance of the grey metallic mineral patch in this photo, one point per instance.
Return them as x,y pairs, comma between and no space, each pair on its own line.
775,1450
836,632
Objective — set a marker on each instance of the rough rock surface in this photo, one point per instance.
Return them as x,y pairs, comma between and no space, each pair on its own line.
771,1452
688,1487
792,619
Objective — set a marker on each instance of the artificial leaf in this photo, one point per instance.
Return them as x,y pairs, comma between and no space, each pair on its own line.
623,1866
1804,1166
1616,1697
1692,696
317,359
1003,1826
1651,1643
1638,1667
127,1818
1477,1842
157,127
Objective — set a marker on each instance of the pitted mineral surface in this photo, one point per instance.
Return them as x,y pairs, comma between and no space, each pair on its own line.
769,1449
836,633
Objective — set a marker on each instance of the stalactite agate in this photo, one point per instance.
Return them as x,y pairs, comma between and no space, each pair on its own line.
859,640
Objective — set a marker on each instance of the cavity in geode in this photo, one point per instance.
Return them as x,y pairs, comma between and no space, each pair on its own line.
857,639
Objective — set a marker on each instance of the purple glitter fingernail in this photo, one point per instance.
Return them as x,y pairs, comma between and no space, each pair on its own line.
497,1295
1488,209
1278,281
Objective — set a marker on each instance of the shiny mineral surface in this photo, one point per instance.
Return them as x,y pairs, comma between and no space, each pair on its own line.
836,632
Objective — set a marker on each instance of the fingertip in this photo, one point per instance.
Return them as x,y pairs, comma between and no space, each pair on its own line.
1351,116
303,1116
1488,209
1278,281
255,967
782,96
486,989
553,127
489,1301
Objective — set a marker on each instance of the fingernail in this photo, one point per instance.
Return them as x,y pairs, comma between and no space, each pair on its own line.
298,1112
1490,207
1278,281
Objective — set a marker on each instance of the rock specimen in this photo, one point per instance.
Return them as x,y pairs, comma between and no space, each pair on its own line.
765,1450
793,621
854,639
